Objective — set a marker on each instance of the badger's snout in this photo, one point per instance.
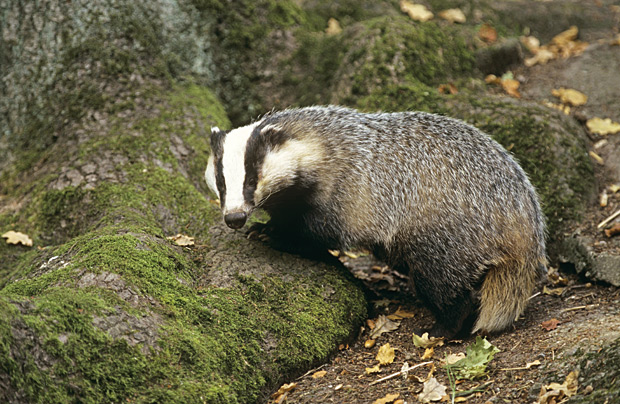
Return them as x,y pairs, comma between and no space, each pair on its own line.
235,220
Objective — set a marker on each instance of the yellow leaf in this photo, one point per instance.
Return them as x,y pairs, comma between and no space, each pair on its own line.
603,126
425,342
333,27
319,374
416,12
374,369
428,353
386,355
453,15
541,57
387,399
15,237
565,37
570,96
182,240
285,388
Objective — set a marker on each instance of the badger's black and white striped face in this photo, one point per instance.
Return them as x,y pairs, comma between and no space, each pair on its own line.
251,163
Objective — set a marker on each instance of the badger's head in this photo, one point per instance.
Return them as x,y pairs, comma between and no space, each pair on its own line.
251,164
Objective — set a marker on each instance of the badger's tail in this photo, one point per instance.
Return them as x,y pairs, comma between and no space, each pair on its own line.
505,291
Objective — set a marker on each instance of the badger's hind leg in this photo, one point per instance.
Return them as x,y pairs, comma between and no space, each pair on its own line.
453,304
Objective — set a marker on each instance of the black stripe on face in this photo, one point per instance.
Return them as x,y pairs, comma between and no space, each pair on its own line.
217,147
259,144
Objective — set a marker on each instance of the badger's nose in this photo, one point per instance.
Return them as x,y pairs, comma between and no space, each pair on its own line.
235,220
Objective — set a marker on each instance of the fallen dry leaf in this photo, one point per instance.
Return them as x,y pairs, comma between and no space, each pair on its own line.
386,354
416,12
616,40
182,240
399,314
389,398
453,358
448,89
613,230
567,36
383,324
369,343
603,126
614,188
453,15
319,374
511,87
487,33
284,389
425,342
550,324
541,57
570,96
15,237
374,369
555,392
432,391
530,42
428,353
333,27
553,292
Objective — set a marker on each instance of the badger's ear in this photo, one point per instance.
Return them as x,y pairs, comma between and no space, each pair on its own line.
216,138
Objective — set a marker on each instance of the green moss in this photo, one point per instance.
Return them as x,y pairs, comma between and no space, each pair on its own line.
404,97
527,132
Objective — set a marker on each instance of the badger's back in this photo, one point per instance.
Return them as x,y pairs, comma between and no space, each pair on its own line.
427,193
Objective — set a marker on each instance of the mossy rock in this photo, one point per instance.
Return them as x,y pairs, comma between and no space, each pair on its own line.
394,50
109,310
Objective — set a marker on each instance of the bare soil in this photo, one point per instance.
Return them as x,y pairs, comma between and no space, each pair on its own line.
588,312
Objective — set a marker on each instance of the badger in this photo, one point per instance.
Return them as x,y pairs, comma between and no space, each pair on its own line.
430,195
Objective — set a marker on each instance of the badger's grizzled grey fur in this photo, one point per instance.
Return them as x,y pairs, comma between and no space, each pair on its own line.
428,194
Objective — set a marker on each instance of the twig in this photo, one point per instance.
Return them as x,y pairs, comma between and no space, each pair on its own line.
587,306
609,219
311,371
533,296
400,372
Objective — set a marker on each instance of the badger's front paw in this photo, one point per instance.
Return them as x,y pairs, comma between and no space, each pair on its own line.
260,231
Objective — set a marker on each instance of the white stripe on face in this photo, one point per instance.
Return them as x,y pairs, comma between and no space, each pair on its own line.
233,167
210,175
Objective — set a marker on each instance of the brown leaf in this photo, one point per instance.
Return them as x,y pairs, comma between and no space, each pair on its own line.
550,324
383,324
565,37
448,89
15,237
389,398
319,374
553,292
416,12
386,354
399,314
487,33
555,392
613,230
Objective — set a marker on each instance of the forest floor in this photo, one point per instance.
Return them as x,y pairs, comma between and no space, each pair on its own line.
538,350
